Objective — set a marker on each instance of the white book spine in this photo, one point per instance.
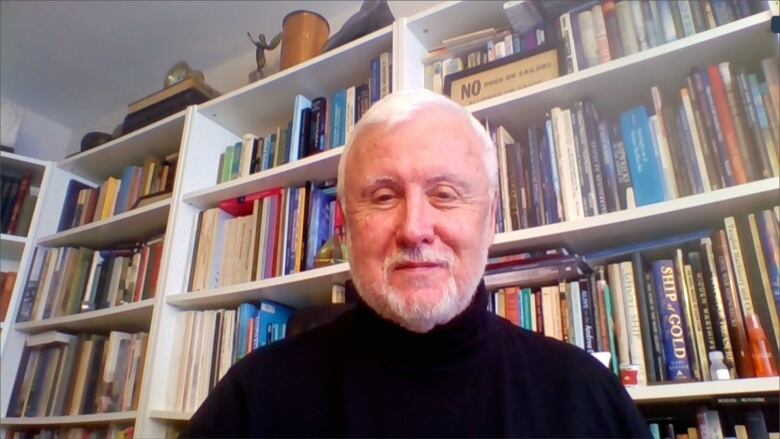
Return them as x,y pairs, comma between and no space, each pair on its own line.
686,16
384,74
588,37
350,110
570,149
600,28
619,310
633,327
686,101
509,45
568,39
639,24
626,27
500,50
667,21
576,308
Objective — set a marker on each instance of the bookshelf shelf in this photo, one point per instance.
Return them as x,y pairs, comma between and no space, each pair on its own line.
136,224
627,81
247,109
12,246
317,167
24,164
131,317
170,415
94,419
668,218
299,289
159,138
704,390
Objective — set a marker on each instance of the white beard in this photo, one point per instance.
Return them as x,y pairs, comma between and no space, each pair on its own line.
409,312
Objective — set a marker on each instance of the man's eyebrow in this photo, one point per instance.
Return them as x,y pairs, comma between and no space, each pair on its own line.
448,178
378,182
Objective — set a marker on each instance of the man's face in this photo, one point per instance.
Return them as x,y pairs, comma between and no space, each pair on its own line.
420,218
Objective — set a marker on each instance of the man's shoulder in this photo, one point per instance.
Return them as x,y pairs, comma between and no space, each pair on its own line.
542,352
312,348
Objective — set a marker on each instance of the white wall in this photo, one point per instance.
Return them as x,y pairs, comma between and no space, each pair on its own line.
233,74
41,138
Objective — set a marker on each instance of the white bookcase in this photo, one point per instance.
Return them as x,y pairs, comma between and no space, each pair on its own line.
201,133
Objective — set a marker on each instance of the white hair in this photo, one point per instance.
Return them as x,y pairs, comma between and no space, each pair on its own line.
401,106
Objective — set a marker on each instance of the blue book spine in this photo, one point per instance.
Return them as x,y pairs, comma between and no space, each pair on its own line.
686,142
556,213
722,11
124,189
272,317
643,159
338,118
608,168
770,246
236,165
270,151
314,219
292,226
548,195
583,159
374,80
758,103
298,134
594,146
673,333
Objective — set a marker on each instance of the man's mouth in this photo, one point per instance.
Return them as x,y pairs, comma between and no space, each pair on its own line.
418,265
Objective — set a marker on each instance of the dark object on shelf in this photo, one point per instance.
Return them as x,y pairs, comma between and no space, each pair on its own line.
373,15
166,102
145,200
260,47
93,139
7,148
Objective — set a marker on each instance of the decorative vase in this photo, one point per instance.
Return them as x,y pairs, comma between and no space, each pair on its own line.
304,34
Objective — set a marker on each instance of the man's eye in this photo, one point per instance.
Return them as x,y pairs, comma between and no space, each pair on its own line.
383,197
444,194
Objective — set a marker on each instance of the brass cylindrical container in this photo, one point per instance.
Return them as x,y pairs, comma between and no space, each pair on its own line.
304,33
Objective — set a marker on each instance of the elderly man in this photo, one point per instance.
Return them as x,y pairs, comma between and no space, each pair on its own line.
420,355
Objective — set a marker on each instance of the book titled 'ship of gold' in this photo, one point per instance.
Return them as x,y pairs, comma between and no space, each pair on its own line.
510,74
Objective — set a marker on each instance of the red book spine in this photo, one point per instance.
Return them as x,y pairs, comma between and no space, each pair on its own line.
727,124
24,188
512,308
139,283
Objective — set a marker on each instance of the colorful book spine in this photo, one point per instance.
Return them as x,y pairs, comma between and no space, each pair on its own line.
338,119
643,159
673,334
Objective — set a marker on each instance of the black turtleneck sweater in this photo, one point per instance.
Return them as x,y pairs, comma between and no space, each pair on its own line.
476,376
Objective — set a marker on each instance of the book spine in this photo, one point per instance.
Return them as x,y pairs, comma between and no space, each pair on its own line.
591,130
586,309
587,36
587,185
569,51
643,159
535,176
643,316
556,212
625,188
737,112
703,301
667,21
762,276
609,172
688,151
719,164
726,123
640,29
673,335
659,143
686,18
693,316
600,31
717,307
633,321
674,7
693,132
738,335
659,356
613,31
770,245
769,161
628,36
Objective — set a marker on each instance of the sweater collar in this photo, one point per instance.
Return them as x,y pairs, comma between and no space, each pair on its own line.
387,340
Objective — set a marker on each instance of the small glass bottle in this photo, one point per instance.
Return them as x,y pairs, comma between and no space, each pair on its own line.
718,369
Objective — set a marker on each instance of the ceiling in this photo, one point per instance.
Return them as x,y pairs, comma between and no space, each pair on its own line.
77,61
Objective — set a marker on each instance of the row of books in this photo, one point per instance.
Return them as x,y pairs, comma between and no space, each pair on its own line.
63,374
317,125
7,281
659,308
467,52
267,234
16,203
70,280
603,30
97,432
722,131
719,419
138,186
213,340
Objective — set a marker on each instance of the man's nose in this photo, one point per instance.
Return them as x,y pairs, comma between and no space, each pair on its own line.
417,222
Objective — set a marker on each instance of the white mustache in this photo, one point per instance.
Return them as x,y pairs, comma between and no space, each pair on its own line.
419,255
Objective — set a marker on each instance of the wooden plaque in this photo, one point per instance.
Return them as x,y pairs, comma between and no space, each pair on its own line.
502,76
